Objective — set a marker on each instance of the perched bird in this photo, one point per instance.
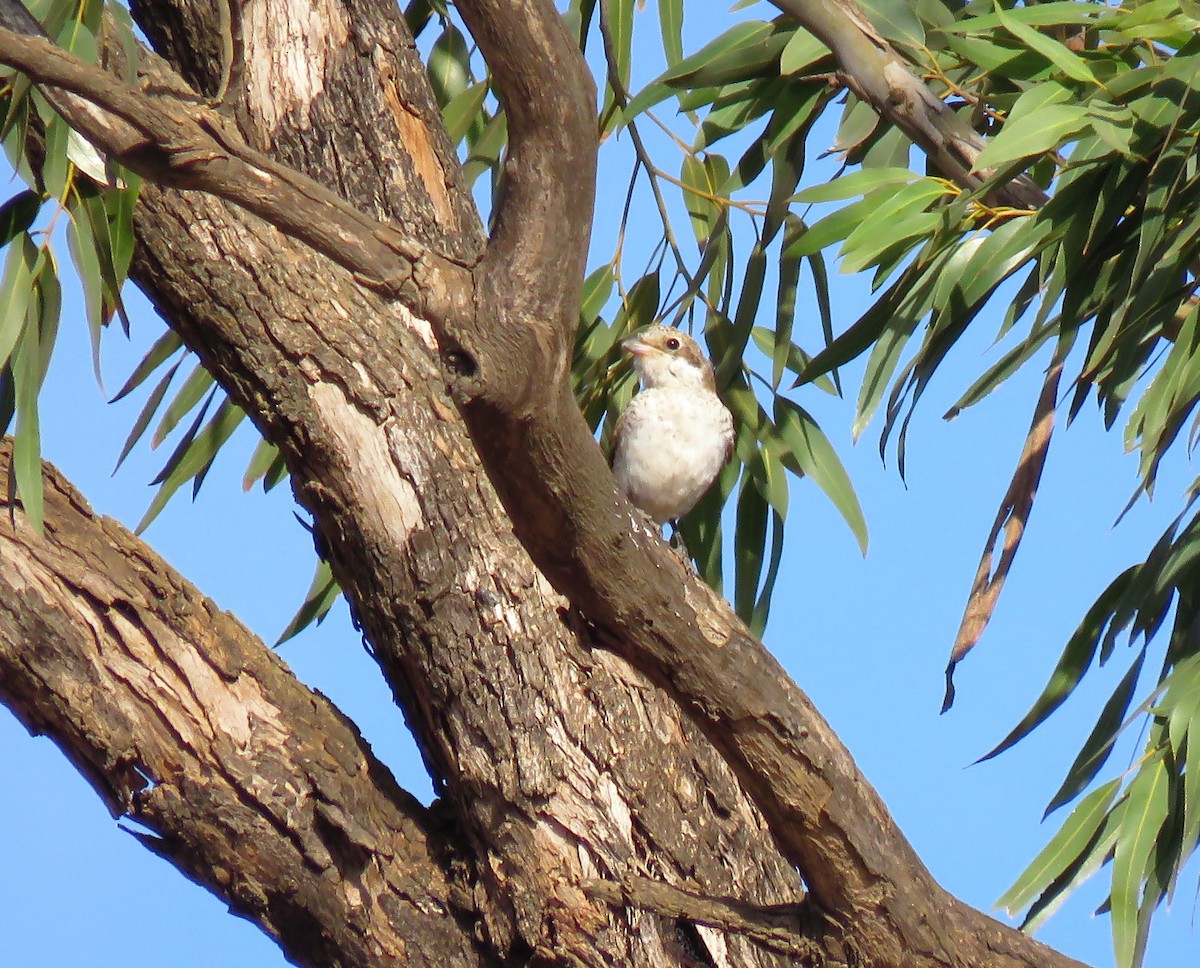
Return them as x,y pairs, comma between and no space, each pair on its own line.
675,435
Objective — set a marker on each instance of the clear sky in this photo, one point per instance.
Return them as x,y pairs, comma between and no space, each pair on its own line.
866,638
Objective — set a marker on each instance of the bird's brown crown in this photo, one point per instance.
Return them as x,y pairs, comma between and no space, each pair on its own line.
658,352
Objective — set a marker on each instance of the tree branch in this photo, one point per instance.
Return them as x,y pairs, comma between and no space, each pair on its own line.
516,714
171,139
565,509
529,284
186,723
884,79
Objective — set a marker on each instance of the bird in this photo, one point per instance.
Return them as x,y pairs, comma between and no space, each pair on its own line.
675,436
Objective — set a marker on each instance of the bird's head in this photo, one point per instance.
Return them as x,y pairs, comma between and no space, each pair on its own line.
665,357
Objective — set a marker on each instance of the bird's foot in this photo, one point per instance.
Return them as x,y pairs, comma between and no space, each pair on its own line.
676,544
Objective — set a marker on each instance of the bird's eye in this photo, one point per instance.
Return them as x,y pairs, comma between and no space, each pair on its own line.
672,344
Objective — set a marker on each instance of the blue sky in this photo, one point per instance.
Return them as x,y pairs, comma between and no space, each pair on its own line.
866,638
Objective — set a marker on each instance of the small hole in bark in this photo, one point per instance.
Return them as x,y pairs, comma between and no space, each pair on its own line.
460,363
692,949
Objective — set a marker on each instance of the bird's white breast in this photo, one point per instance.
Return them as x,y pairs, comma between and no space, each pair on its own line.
672,445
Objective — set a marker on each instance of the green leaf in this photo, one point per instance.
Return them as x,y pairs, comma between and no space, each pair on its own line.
685,74
857,183
1067,61
264,456
897,216
896,20
1066,846
881,364
463,110
163,349
832,228
816,458
485,152
1076,657
994,58
785,303
97,215
1032,131
998,373
619,15
47,311
733,113
863,334
596,290
193,456
321,596
670,22
120,205
1000,253
1094,856
640,306
449,65
802,51
27,455
750,540
54,161
1134,857
15,131
1191,781
419,15
728,343
859,121
793,115
755,56
1099,743
16,291
796,358
1055,13
82,246
703,178
701,527
190,394
149,409
762,608
770,475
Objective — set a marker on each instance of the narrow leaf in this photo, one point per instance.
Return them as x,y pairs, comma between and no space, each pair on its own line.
321,596
1099,743
163,349
1071,840
816,458
1134,856
16,291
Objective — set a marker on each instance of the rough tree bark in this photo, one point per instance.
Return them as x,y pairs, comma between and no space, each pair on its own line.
613,752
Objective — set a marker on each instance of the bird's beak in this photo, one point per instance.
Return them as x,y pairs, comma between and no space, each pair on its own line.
635,347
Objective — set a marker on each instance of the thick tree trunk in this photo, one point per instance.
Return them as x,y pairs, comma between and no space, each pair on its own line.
568,776
563,765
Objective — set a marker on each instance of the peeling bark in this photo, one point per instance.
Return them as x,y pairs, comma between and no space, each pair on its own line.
185,722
